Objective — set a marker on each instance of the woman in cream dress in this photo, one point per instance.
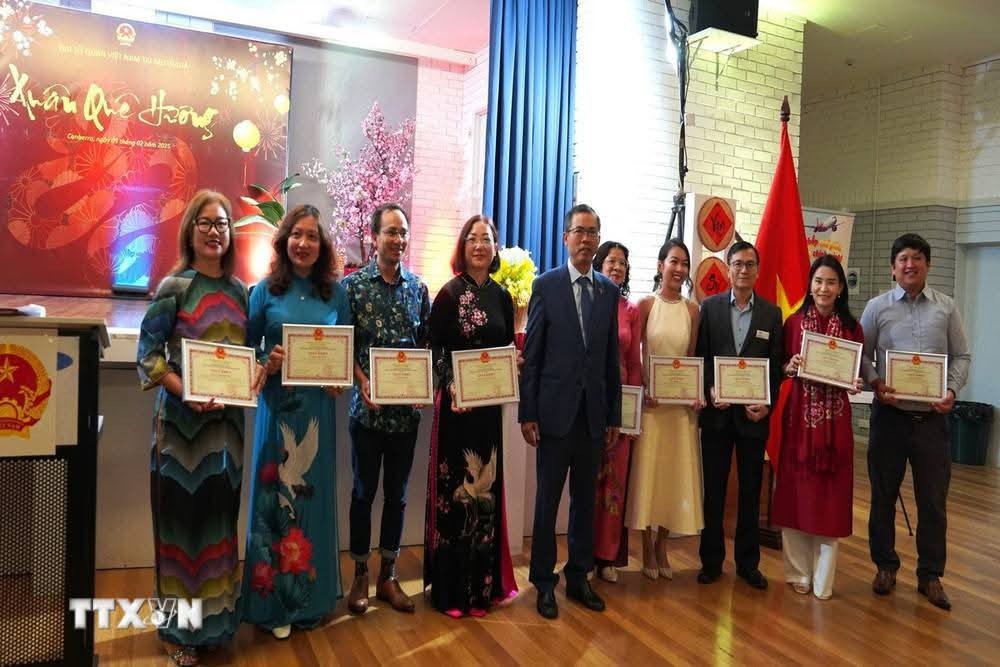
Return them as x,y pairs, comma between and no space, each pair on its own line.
665,488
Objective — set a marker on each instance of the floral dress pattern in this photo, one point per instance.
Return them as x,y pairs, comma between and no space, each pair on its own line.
466,556
292,565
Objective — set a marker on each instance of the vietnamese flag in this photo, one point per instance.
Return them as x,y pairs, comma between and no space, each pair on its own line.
784,258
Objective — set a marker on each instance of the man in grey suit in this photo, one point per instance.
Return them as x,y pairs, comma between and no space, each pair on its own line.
570,404
737,322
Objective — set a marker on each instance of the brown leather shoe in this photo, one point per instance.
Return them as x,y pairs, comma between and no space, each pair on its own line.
884,582
934,591
388,589
357,600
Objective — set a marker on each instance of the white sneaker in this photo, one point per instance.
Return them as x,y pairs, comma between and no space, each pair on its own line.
282,631
608,573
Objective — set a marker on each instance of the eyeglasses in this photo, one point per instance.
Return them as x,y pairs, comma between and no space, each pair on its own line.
478,242
206,225
740,265
394,233
580,232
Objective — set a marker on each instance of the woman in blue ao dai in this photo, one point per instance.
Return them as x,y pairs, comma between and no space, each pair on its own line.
292,570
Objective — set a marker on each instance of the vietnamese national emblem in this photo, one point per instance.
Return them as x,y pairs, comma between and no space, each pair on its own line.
25,389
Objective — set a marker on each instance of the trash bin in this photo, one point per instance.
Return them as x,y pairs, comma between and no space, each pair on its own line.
970,432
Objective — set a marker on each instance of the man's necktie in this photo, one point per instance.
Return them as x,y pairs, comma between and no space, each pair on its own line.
586,303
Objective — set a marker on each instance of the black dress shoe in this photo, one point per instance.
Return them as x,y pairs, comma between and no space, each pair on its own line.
546,605
708,576
754,578
585,595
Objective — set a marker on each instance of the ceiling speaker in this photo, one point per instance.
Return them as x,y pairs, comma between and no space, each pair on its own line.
736,16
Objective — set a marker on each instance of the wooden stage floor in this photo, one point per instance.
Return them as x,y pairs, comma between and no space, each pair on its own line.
119,311
666,622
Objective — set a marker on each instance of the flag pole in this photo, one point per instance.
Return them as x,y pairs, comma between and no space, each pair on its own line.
769,534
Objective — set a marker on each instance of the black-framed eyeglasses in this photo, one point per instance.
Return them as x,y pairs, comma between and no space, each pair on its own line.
205,225
583,231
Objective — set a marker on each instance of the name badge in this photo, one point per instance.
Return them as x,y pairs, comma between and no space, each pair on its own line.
763,335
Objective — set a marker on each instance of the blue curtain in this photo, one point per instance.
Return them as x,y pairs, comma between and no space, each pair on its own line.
528,184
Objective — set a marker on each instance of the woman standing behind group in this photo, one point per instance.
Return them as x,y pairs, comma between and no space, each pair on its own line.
292,562
665,491
467,560
610,535
197,454
815,482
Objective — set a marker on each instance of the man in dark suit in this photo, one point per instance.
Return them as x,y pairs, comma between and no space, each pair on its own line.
570,404
737,322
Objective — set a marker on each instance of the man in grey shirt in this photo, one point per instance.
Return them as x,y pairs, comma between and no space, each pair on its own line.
911,317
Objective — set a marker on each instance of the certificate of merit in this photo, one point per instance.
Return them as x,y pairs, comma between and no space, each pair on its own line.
401,376
222,372
676,380
486,376
631,409
317,355
742,380
829,360
917,376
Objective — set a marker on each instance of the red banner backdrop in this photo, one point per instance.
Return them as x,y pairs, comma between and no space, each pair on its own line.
106,130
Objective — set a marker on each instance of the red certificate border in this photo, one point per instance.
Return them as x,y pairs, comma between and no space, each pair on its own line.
383,354
822,339
698,362
290,331
460,357
925,357
633,389
733,361
191,348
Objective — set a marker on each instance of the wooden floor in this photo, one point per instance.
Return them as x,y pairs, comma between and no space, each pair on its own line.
667,622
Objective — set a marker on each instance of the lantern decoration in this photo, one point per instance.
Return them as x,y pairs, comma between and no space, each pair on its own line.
246,135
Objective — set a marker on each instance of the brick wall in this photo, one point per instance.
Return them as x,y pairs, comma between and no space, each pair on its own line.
934,223
475,96
887,142
979,219
734,125
448,98
437,156
909,151
627,121
981,133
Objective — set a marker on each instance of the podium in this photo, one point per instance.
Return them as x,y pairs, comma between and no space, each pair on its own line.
47,525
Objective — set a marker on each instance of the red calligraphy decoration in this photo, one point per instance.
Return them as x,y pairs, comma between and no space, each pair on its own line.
716,224
711,278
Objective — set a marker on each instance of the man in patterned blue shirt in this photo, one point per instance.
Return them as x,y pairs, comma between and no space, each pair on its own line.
391,308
